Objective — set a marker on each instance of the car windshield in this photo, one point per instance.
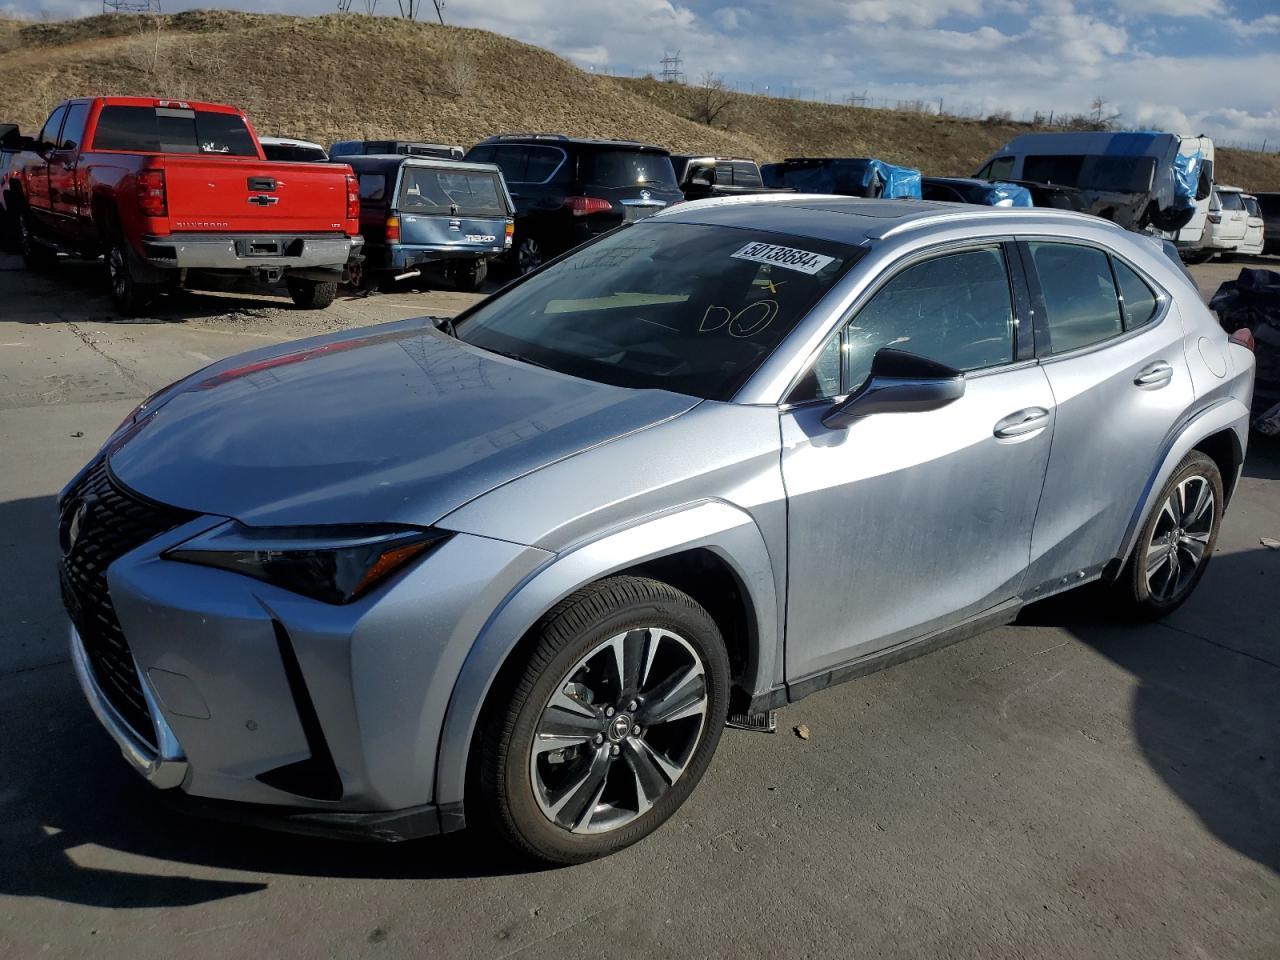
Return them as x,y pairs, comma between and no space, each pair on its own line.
173,130
427,190
627,168
689,308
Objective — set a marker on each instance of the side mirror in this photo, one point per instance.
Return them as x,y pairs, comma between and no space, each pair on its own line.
899,382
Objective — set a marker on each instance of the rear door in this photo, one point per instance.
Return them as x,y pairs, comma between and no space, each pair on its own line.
451,207
1110,343
1234,218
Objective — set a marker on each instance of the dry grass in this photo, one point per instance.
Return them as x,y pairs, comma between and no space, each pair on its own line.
337,77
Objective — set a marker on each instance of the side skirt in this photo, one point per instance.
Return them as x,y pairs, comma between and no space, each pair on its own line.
871,663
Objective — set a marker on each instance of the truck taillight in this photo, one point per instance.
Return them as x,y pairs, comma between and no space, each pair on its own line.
353,198
393,229
585,206
511,231
152,199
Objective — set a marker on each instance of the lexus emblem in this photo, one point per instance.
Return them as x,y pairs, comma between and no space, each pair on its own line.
69,524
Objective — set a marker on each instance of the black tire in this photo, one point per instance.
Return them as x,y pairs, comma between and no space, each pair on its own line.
129,297
34,253
312,294
9,232
501,794
1150,596
469,277
529,252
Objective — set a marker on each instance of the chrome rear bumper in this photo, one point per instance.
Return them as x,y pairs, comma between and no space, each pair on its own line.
164,767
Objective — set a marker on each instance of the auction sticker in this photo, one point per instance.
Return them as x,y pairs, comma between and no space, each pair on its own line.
788,257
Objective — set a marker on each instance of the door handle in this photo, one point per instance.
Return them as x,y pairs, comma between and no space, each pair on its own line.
1021,422
1155,375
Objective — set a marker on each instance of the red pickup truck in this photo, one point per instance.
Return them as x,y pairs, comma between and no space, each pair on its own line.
170,190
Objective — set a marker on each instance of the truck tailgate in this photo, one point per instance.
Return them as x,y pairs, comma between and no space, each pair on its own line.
254,196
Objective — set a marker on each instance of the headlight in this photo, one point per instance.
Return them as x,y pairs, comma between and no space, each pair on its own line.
335,564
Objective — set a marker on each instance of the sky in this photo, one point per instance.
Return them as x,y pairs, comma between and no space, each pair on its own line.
1188,66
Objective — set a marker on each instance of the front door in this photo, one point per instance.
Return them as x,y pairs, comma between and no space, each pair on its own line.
1115,362
906,523
64,191
37,181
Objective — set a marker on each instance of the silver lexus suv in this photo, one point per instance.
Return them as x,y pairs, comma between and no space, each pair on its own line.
514,572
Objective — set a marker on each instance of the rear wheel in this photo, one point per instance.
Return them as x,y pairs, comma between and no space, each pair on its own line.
604,730
128,295
530,255
312,294
468,277
1176,542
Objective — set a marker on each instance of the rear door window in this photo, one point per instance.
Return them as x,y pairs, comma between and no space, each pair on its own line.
511,159
1079,294
724,174
456,193
542,163
1063,170
1251,207
173,130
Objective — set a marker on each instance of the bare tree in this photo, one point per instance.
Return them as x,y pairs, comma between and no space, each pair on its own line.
1099,116
712,99
457,75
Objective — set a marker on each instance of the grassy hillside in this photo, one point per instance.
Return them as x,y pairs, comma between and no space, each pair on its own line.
335,77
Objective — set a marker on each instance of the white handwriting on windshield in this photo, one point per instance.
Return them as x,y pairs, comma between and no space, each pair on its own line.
747,322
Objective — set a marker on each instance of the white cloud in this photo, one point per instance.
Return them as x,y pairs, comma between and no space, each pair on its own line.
1171,8
1267,24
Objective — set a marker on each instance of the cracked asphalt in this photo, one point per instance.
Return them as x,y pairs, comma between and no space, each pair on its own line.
1062,787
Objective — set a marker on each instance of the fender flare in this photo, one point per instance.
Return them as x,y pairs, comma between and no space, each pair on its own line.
1228,413
726,530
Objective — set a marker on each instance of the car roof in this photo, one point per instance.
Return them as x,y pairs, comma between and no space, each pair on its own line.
854,220
290,142
1224,188
561,139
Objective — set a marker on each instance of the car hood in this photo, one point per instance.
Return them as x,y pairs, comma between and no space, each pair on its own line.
397,423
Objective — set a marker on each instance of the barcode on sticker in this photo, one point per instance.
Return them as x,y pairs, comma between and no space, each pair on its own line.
789,257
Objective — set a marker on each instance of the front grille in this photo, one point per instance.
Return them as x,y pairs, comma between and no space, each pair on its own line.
98,523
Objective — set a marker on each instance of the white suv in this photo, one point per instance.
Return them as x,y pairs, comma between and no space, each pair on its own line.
1228,221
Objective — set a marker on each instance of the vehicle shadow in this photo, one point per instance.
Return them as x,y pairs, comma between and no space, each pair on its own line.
64,790
1205,713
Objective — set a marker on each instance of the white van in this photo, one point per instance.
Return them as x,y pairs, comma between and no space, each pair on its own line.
1131,178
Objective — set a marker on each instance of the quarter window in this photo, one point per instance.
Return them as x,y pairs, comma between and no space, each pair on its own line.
542,163
1079,295
1139,299
955,309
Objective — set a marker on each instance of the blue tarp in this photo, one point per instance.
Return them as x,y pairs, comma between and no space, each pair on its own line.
998,192
856,177
1186,174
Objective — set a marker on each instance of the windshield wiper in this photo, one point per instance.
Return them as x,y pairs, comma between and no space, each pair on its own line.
519,359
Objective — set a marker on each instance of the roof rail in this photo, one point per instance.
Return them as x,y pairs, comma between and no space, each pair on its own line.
497,137
985,214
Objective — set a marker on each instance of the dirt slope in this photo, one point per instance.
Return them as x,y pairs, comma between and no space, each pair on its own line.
334,77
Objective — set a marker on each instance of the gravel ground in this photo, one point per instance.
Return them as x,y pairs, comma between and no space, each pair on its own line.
1062,787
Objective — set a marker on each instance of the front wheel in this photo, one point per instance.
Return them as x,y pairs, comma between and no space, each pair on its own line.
312,294
607,724
34,253
1176,542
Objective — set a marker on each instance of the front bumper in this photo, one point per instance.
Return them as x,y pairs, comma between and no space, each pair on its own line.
251,251
256,695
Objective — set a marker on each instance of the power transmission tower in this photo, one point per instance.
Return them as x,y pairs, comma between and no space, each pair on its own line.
130,6
672,67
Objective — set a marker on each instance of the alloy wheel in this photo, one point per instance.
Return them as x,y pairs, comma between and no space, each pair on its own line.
619,730
529,255
1180,538
118,272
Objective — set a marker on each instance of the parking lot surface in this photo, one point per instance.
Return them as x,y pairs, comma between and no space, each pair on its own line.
1063,787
